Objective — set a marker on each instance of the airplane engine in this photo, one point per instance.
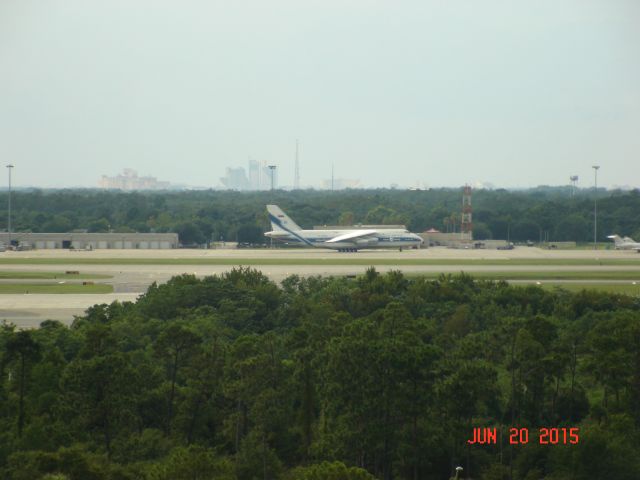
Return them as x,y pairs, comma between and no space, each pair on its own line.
366,242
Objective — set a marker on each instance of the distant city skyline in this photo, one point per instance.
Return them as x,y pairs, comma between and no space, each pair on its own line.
340,184
412,93
129,180
241,179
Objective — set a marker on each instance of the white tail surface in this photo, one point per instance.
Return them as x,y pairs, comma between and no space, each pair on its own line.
280,220
616,239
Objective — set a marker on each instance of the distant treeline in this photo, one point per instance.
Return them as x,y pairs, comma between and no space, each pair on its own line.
233,377
200,217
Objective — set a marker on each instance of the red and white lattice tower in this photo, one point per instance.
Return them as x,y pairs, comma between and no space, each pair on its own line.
466,227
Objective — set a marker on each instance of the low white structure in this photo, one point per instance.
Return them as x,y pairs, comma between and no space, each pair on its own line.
129,180
92,240
434,238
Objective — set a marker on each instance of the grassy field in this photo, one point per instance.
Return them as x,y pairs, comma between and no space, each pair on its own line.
542,275
337,260
37,288
550,282
16,275
625,288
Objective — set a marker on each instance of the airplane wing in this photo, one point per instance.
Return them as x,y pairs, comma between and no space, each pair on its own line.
352,235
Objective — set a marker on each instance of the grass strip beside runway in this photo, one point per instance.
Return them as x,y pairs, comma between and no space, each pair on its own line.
39,288
18,275
630,275
623,289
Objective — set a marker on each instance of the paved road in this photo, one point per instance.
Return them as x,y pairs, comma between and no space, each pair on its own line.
27,310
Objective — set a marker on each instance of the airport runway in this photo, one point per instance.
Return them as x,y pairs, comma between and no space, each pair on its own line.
433,253
129,281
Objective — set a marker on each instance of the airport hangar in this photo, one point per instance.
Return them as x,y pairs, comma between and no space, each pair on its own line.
79,240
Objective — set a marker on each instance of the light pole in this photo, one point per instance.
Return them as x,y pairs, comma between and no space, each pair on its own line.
273,171
458,471
9,168
595,208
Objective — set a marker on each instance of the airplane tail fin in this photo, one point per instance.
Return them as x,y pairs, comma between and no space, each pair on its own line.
280,220
616,239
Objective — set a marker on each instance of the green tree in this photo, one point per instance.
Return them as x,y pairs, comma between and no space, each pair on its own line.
99,389
250,234
101,225
66,463
329,471
24,351
192,463
258,381
380,215
573,228
379,379
481,231
346,219
190,233
176,345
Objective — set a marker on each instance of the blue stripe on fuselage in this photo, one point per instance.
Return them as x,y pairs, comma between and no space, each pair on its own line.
279,224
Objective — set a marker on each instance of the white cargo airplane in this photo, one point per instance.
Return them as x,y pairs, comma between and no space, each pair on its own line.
286,230
626,243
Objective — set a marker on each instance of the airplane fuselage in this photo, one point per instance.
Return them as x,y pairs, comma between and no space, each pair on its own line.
626,243
384,238
628,246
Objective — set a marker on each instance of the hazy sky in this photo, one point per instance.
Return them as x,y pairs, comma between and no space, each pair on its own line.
441,93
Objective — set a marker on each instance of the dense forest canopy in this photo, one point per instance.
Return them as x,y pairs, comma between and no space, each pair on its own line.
382,376
200,217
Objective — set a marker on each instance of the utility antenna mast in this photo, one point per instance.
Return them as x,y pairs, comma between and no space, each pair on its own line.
296,178
332,177
272,168
466,225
